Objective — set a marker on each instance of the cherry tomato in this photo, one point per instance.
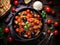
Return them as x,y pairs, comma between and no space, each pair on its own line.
28,11
16,3
18,20
50,2
49,21
10,39
47,9
13,9
56,23
28,33
16,17
31,24
48,31
24,12
29,15
53,12
17,30
22,29
30,20
30,29
55,32
20,24
35,21
6,30
38,16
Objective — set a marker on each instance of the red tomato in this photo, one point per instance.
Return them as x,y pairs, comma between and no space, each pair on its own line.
50,2
13,9
47,9
28,33
24,12
17,30
35,21
6,30
10,39
31,24
22,29
53,12
30,29
49,21
30,20
29,15
56,23
16,3
20,24
28,11
18,20
55,32
38,16
16,17
48,31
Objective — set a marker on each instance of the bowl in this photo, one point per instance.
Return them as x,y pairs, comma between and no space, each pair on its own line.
17,36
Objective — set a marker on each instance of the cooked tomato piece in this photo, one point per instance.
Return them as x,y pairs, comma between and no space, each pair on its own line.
17,30
30,20
28,33
32,24
28,11
22,29
16,17
38,16
18,20
30,28
37,22
24,12
29,15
